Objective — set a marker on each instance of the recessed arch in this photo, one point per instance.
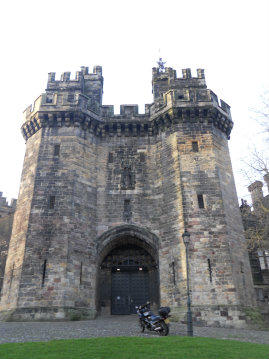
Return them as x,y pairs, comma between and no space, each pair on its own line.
127,269
134,234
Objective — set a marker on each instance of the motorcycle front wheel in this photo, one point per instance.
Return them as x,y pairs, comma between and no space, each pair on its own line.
142,325
164,330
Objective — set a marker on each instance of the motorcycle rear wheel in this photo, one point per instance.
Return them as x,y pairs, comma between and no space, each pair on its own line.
164,329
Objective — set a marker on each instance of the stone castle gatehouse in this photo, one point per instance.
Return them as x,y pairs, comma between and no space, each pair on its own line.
105,198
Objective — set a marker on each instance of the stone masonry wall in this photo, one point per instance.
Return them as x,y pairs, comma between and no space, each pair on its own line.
6,221
15,259
217,243
61,238
5,233
91,178
235,236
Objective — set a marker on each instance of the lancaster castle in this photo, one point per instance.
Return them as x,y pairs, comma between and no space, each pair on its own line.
105,198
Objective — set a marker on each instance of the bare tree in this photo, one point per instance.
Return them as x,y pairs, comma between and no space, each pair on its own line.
256,171
262,114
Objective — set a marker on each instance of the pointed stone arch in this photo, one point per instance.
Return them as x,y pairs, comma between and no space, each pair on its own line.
127,257
140,236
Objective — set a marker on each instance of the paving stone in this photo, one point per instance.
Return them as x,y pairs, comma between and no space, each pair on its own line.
111,326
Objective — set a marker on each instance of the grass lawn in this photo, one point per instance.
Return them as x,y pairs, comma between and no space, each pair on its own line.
135,348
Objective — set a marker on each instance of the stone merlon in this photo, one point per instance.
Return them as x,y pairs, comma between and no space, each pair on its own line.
78,102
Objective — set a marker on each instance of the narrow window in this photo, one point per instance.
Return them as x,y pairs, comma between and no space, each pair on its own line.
126,205
174,273
70,97
201,202
259,294
127,214
241,267
263,259
49,98
80,276
56,150
44,273
205,112
142,157
11,276
266,256
110,157
195,147
209,270
51,202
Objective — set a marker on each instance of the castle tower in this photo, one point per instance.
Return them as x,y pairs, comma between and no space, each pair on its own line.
256,193
105,198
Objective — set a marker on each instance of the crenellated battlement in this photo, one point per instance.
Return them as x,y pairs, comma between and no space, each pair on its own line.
83,73
5,206
78,102
171,74
85,83
163,81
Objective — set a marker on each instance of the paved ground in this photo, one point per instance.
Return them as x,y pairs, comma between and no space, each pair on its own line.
112,326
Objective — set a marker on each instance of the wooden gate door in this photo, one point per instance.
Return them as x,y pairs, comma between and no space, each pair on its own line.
129,288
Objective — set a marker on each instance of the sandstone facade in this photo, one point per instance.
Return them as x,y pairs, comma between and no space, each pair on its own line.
105,198
6,220
256,225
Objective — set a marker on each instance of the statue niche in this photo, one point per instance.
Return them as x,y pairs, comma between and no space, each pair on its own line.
127,177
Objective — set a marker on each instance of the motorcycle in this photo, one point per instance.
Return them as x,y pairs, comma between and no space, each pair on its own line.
157,323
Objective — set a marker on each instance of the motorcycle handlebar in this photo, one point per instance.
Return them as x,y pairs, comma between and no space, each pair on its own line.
144,305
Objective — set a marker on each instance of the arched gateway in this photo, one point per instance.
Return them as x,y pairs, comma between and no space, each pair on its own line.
127,269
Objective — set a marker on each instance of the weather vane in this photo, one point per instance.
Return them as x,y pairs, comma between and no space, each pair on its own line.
161,64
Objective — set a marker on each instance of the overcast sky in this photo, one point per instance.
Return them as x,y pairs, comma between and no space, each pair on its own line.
229,39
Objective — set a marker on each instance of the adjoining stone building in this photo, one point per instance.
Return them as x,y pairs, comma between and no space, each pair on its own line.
105,198
256,225
6,221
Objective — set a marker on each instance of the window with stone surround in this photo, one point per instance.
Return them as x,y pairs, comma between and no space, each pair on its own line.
201,202
195,147
209,270
263,259
127,178
70,97
127,214
81,271
110,157
44,273
51,202
142,157
11,276
56,150
49,98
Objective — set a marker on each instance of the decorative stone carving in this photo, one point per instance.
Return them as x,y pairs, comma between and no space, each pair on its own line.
127,176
